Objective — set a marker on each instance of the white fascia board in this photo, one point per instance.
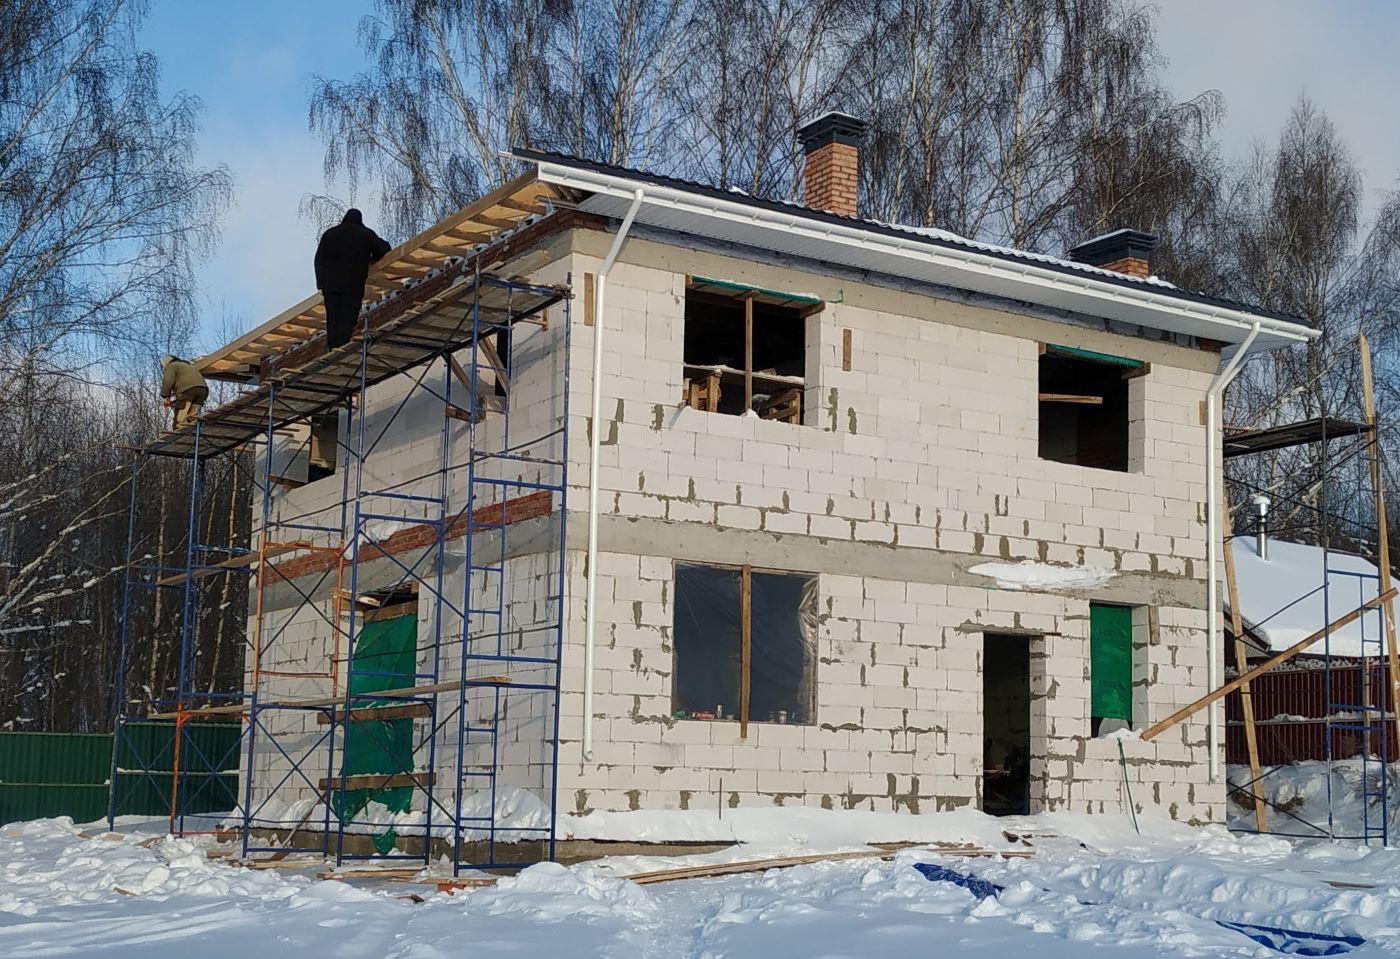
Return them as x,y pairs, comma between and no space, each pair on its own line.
1023,281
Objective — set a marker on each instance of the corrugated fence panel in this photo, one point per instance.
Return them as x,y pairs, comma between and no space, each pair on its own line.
1290,709
55,757
60,774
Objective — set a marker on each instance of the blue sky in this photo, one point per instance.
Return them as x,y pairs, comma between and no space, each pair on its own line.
251,62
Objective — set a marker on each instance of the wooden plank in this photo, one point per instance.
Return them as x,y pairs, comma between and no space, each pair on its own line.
422,780
212,363
1155,730
450,884
748,353
1251,734
745,645
234,562
457,413
1382,531
1071,398
377,714
785,862
401,693
588,304
472,223
344,874
380,611
488,347
846,349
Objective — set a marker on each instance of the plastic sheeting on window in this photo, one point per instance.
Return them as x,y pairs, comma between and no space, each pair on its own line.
709,645
783,644
385,658
1111,662
707,641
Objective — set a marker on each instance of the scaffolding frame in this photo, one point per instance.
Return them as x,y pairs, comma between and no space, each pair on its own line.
1367,707
513,473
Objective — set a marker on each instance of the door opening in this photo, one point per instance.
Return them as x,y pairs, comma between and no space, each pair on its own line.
1006,725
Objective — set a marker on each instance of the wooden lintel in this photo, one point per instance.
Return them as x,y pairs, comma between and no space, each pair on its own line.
1071,398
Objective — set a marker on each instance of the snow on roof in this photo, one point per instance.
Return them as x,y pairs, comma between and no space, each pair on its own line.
1009,251
1282,597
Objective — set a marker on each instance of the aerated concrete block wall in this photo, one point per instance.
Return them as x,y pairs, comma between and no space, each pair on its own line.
910,469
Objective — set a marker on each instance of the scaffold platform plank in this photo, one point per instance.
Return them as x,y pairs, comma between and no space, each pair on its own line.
377,781
321,380
381,713
1240,442
327,701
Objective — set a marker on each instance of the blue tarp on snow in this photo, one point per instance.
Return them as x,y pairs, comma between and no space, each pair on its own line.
1290,942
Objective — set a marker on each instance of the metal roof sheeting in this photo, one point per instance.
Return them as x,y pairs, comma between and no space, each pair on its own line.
919,254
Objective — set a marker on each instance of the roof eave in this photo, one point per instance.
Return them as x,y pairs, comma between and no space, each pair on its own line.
1022,280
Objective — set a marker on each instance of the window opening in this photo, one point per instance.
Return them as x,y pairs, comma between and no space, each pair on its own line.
745,645
745,349
385,657
1110,668
1006,725
1084,407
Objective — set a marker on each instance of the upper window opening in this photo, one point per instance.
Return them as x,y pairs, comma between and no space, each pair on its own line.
746,349
1084,407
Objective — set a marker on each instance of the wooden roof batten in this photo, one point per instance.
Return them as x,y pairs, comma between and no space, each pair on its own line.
458,235
431,318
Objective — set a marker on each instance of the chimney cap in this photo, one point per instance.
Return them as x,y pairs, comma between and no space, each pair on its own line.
1115,246
833,127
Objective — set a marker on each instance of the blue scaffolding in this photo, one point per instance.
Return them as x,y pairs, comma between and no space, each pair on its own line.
1357,710
482,646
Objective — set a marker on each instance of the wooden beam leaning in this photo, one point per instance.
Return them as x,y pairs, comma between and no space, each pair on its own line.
1251,734
1382,533
1152,732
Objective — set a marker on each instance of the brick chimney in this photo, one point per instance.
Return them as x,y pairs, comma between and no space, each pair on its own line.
831,145
1123,251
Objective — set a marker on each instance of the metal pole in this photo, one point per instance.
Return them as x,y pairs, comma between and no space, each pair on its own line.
120,688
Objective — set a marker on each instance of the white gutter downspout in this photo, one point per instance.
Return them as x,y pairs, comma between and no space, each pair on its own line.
1213,466
594,442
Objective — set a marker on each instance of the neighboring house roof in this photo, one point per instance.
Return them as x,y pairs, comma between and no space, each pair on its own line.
1282,599
919,253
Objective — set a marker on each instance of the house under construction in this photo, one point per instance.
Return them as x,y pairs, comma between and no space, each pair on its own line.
648,495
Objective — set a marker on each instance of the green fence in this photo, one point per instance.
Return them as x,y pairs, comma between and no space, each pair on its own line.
68,774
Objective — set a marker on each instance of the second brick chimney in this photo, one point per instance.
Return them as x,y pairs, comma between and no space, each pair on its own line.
831,144
1123,251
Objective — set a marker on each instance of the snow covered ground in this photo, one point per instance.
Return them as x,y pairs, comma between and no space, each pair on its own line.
1093,888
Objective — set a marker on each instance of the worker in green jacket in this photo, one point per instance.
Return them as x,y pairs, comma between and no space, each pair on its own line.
182,387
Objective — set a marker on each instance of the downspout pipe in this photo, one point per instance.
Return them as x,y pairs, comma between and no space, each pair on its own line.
1215,645
595,423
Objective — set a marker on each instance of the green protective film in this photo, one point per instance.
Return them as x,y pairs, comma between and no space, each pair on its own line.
385,657
1111,661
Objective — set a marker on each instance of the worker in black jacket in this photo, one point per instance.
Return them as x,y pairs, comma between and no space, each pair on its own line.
342,264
